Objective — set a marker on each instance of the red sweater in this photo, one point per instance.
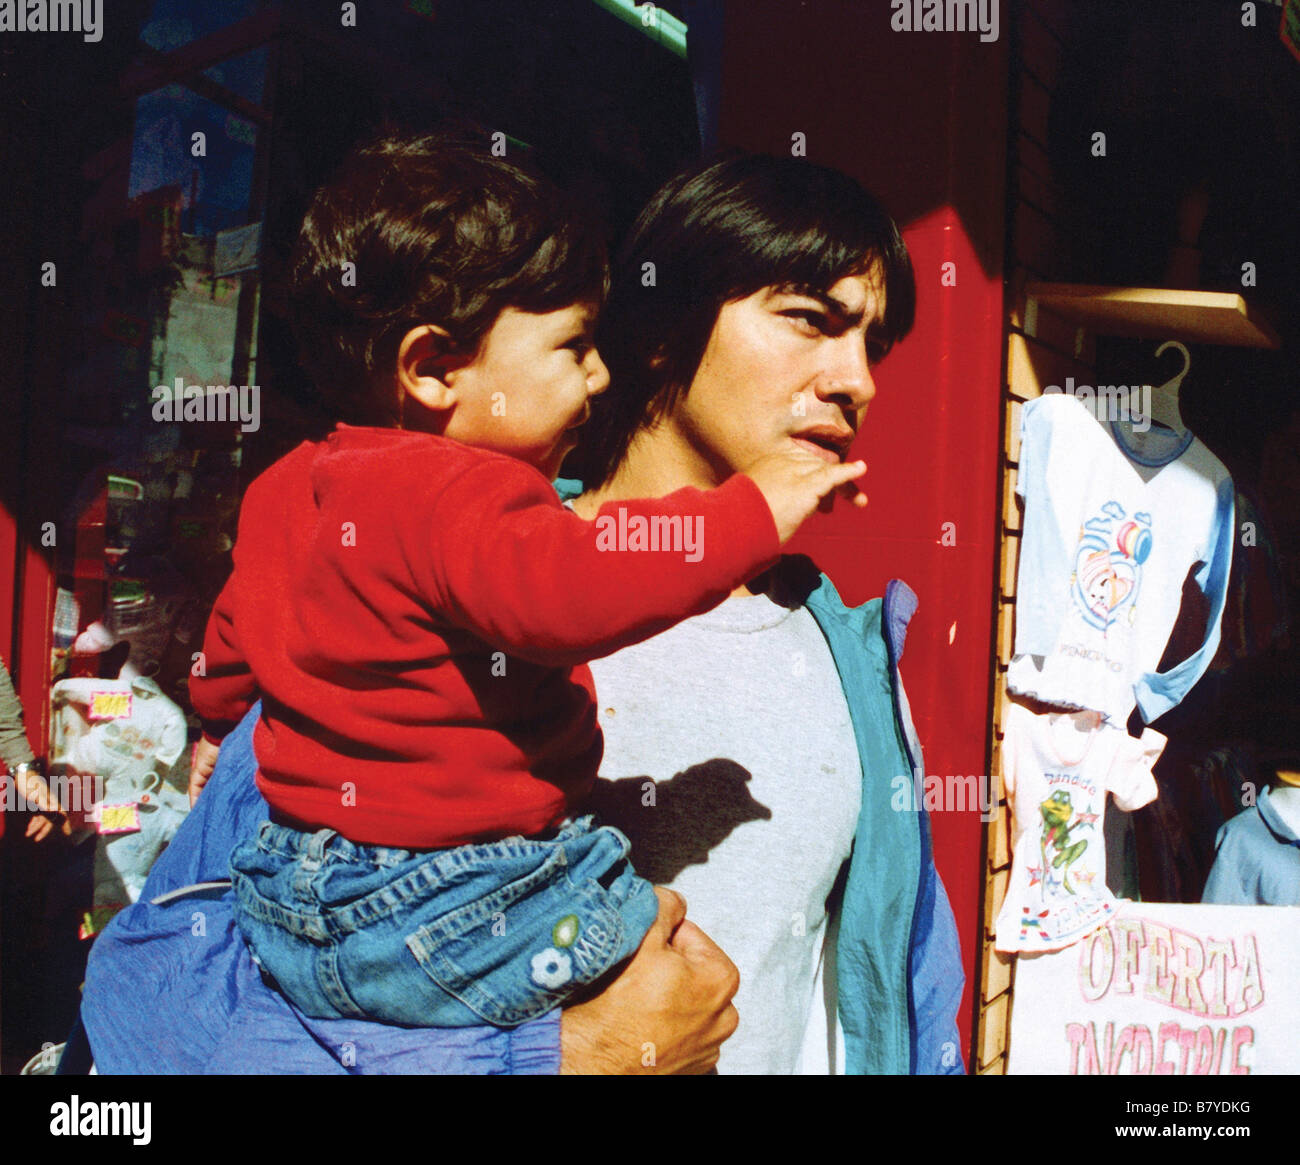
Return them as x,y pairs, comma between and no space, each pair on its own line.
417,614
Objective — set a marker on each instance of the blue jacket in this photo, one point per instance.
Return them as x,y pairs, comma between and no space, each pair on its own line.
1257,860
170,988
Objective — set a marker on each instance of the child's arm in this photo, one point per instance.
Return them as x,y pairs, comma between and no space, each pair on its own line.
528,576
225,688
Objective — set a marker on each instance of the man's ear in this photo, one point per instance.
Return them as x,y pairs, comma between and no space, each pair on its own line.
427,361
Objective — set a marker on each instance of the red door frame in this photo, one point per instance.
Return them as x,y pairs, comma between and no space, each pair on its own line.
920,119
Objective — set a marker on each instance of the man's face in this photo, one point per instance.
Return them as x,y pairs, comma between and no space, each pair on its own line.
526,390
782,367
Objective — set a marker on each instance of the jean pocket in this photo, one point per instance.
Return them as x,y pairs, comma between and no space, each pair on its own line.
516,953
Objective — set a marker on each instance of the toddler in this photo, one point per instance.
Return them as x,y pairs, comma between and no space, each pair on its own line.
416,608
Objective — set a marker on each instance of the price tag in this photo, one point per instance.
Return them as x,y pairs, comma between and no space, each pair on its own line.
123,818
110,705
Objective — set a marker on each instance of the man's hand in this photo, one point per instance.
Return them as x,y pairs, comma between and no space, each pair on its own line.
205,760
668,1012
48,816
795,484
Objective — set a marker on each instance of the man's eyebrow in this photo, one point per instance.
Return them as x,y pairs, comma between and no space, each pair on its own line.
836,307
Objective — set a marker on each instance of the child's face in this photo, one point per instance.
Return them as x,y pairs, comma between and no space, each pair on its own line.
525,392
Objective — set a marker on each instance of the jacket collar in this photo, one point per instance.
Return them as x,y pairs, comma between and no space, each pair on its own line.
1273,819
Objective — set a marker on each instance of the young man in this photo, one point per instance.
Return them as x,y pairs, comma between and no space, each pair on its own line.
778,285
768,733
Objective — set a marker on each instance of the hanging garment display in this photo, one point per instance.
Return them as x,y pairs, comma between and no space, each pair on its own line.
1057,769
119,748
1117,513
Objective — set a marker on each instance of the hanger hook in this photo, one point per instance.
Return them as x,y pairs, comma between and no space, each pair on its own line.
1187,357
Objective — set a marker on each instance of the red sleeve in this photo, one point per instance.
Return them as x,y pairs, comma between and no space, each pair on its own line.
227,689
511,564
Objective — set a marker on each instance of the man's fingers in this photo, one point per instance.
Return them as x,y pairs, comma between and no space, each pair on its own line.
672,910
856,496
730,1021
696,947
842,480
849,470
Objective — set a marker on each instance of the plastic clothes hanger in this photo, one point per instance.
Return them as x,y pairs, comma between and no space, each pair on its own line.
1164,400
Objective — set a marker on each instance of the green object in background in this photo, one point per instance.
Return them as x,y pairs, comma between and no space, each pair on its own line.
124,487
1290,30
127,592
661,27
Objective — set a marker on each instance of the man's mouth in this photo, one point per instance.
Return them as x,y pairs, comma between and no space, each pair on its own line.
830,444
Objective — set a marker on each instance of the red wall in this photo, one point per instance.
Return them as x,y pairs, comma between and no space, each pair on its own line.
920,119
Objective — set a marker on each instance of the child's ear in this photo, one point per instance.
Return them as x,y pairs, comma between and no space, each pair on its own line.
427,359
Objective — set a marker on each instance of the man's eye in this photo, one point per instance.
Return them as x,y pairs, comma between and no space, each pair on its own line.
877,350
811,323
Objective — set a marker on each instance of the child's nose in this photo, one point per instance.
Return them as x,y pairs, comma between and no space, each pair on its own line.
597,374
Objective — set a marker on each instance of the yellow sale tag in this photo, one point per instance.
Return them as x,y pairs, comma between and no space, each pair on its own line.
119,818
110,705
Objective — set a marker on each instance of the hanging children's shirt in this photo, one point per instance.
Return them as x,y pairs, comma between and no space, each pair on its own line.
1057,769
1115,518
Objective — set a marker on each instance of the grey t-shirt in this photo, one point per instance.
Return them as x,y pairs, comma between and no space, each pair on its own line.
731,764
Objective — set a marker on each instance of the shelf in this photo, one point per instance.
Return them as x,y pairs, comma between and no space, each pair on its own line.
1195,317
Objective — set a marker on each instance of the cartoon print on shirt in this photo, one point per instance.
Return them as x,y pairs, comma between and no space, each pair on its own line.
1108,562
1058,848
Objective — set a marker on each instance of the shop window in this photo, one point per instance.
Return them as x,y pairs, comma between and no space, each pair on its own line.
174,23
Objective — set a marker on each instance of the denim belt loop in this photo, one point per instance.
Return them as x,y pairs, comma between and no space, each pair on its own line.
310,862
316,848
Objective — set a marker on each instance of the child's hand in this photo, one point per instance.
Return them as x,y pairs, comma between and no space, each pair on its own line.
796,483
205,760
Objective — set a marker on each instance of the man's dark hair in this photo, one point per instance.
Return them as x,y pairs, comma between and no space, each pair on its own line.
717,233
439,231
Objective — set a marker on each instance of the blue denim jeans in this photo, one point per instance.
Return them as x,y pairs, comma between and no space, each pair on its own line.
501,932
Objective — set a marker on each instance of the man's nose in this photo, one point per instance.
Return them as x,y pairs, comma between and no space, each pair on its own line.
847,377
597,374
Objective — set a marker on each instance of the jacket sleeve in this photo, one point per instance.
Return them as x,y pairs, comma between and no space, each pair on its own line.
512,565
14,748
937,980
1046,548
201,1007
1157,692
223,694
1227,884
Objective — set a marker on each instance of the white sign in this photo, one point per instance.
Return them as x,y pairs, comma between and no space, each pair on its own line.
1167,990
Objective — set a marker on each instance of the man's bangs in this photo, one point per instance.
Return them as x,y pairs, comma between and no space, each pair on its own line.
815,255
